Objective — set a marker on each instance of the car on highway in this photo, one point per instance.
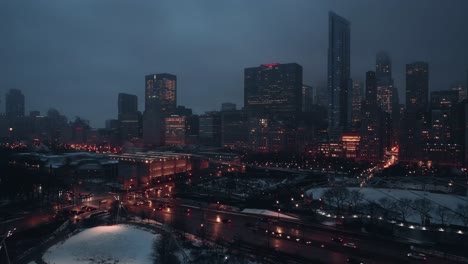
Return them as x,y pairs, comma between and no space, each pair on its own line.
350,244
337,239
418,256
352,260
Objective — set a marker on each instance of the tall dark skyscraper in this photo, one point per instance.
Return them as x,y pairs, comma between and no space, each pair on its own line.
356,104
161,87
383,69
384,81
128,116
14,103
273,89
339,82
160,102
373,133
307,98
371,88
417,87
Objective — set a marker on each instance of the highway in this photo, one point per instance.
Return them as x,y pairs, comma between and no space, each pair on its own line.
307,241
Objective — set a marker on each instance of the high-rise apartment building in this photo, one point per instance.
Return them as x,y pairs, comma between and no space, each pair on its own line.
273,89
417,87
339,81
356,104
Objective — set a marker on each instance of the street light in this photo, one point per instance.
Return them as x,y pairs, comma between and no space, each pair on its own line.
3,243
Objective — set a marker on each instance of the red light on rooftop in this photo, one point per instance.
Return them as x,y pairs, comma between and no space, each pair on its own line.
270,64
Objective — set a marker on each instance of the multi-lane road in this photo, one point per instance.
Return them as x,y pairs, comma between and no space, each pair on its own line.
297,238
294,239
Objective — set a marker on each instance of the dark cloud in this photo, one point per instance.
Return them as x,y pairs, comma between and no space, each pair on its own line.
78,55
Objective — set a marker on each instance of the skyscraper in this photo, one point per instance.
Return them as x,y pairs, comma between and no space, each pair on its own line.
373,133
417,87
383,73
129,127
307,98
273,89
14,103
160,102
339,82
383,69
371,88
356,104
162,87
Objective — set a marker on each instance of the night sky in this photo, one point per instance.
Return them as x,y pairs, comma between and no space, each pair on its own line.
76,56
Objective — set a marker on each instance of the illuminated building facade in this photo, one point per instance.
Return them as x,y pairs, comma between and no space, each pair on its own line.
273,89
175,130
350,143
163,87
339,81
160,101
141,169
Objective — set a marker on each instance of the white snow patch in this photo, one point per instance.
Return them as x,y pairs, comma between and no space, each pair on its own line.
267,213
120,244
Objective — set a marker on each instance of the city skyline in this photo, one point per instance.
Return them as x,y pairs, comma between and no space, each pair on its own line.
118,65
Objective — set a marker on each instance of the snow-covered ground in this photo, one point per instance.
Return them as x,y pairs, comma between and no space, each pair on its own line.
120,244
267,213
375,194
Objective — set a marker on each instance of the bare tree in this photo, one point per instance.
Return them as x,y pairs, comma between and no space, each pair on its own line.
371,209
389,207
336,197
444,215
462,213
405,208
163,250
355,199
424,207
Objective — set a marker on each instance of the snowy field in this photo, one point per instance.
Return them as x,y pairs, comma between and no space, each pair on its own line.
375,194
267,213
120,244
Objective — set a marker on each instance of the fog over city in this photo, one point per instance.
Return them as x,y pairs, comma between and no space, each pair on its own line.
66,54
